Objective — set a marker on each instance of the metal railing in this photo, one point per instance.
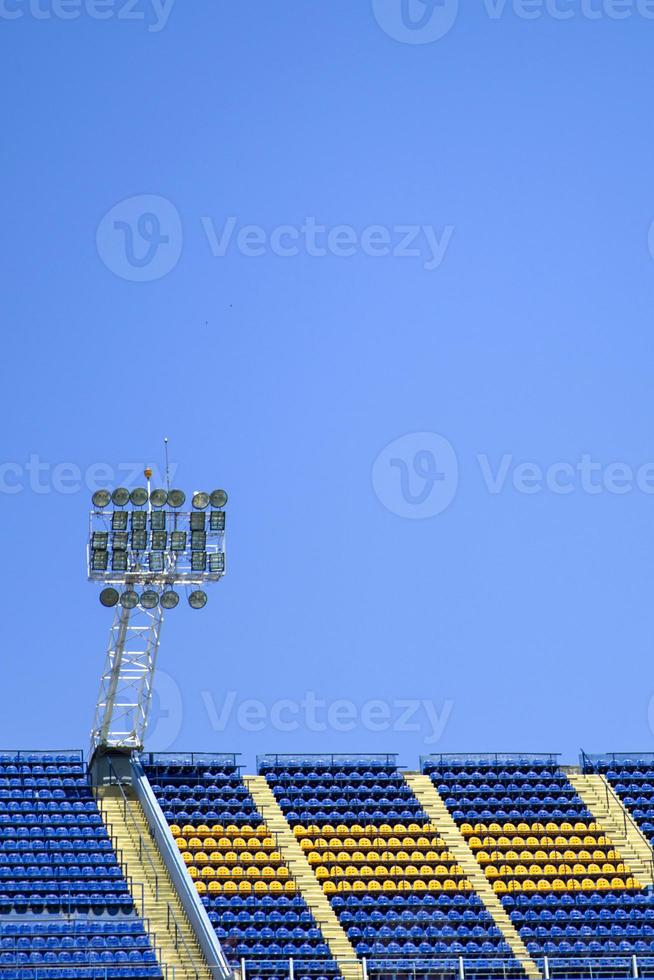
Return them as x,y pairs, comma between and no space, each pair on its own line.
189,758
323,760
145,853
454,759
72,756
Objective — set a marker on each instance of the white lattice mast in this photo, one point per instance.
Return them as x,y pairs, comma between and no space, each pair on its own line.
155,547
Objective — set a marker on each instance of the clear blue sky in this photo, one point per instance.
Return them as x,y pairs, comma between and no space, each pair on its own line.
524,620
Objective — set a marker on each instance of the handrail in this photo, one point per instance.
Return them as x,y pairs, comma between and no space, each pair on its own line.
185,890
144,850
626,815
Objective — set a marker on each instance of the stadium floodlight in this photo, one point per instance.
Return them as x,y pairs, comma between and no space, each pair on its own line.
197,599
129,599
169,599
119,540
156,561
158,520
119,561
148,545
159,540
198,540
197,520
139,520
139,540
198,561
217,563
158,498
178,540
218,498
139,496
99,561
109,597
120,497
217,520
119,520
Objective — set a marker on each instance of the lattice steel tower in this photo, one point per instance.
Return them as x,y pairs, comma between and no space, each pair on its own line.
141,547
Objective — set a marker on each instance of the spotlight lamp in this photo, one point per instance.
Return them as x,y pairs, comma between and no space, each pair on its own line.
109,597
101,499
120,497
200,500
149,599
169,599
158,498
139,496
129,599
197,599
176,498
218,498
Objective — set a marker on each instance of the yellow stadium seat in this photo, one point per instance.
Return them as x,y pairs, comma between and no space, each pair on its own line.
215,888
329,887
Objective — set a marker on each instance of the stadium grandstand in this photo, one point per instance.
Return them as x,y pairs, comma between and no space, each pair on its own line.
144,865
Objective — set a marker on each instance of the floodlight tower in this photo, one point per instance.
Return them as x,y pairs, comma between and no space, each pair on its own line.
143,540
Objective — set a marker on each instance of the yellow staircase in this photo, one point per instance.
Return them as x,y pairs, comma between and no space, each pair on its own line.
435,808
340,946
618,823
170,930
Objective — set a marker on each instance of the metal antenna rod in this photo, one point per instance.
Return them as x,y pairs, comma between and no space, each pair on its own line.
167,465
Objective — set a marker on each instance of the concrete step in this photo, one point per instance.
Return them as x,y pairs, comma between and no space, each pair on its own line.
156,901
339,945
618,824
435,808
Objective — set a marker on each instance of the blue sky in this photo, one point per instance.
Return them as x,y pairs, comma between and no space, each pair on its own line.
433,415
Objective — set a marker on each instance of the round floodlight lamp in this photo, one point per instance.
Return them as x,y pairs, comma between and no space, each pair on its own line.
109,597
218,498
197,599
158,498
169,599
149,599
176,498
139,496
101,498
200,500
129,599
120,496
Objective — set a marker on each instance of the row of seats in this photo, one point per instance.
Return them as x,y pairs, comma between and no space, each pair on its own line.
56,859
559,875
386,869
238,870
